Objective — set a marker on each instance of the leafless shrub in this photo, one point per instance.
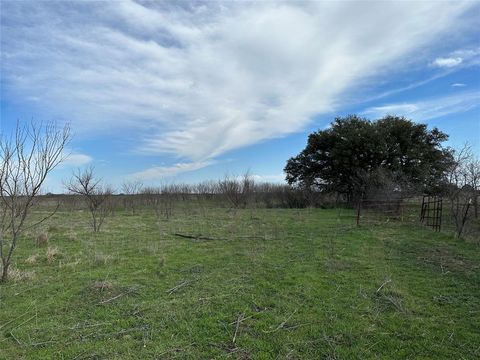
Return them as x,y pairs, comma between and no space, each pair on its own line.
463,187
472,174
151,197
285,196
237,191
96,195
26,159
161,199
168,197
130,189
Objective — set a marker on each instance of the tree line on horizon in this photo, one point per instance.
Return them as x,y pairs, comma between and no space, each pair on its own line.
352,160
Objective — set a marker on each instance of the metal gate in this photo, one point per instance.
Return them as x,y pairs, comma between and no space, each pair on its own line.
431,212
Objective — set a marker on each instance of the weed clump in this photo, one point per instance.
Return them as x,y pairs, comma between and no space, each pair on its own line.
101,259
102,286
32,259
52,254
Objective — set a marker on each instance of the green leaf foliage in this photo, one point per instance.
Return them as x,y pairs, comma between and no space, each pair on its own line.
338,158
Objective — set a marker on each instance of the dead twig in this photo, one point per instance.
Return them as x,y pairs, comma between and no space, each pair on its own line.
84,326
384,283
43,343
282,324
15,319
116,297
24,322
174,350
13,336
175,288
195,237
239,320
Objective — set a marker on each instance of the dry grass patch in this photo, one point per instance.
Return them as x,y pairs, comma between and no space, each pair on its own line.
101,259
32,259
447,260
102,286
52,254
18,275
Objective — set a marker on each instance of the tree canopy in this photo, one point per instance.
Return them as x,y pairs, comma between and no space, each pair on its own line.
341,157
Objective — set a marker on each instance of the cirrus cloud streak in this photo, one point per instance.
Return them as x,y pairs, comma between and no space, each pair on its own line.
198,80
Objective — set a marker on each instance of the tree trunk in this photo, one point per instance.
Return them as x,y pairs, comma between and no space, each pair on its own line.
5,267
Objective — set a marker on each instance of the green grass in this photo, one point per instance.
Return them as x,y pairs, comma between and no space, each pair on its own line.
273,283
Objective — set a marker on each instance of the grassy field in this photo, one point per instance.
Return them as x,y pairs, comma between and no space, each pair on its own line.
250,284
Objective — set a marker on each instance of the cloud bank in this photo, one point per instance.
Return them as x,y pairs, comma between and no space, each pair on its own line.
198,80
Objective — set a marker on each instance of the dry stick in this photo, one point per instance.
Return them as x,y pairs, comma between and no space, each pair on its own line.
199,237
239,320
242,319
8,322
215,297
248,317
30,318
115,297
282,324
175,288
174,350
13,336
194,237
78,326
385,283
43,343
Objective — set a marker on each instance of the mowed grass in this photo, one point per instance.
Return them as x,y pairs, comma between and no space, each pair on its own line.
266,284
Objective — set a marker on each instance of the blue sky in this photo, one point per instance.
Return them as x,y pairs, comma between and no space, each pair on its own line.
188,91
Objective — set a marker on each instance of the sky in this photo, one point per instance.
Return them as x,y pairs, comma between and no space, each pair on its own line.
163,92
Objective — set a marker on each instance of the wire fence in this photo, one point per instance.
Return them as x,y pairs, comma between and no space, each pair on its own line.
434,212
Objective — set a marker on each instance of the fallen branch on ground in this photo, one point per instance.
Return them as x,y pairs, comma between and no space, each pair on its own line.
239,320
201,237
282,324
116,297
198,237
384,283
175,288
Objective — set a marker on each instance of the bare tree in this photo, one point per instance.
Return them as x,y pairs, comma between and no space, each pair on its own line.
472,172
131,189
459,191
168,197
237,191
151,197
161,199
27,157
96,195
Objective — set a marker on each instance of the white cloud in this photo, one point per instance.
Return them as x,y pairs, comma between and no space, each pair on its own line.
272,178
197,81
466,57
74,159
458,85
428,109
161,172
447,62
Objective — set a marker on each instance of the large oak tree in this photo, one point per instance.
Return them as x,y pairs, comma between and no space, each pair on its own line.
352,149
